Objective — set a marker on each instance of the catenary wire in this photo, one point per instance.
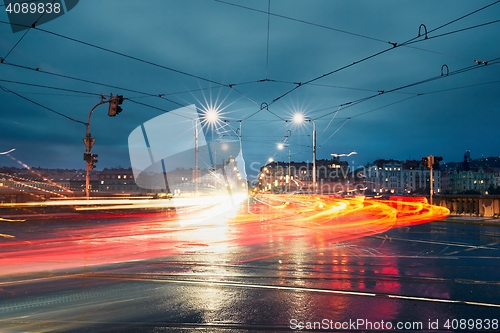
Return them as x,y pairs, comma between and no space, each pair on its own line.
25,33
300,84
43,106
88,81
119,53
301,21
459,71
50,87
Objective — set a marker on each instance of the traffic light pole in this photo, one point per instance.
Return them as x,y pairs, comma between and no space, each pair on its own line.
430,161
114,109
89,142
431,180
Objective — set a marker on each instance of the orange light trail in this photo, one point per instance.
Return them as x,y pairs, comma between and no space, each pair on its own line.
278,220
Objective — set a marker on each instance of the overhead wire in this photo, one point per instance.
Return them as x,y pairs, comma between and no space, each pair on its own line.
331,28
137,59
407,43
463,16
382,107
25,33
454,32
335,132
231,86
459,71
422,94
129,56
88,81
268,30
79,92
50,87
43,106
157,108
395,45
301,21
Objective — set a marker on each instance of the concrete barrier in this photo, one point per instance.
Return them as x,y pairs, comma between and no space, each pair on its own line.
470,205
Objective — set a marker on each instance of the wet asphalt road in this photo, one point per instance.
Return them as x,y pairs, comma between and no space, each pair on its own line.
439,273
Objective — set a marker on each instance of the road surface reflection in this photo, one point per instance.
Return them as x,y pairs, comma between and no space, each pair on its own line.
93,238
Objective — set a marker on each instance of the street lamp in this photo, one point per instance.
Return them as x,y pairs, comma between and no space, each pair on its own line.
211,117
288,134
299,118
280,147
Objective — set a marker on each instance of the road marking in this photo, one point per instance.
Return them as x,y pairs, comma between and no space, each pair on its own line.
291,288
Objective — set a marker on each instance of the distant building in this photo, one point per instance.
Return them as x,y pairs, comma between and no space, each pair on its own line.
396,177
475,180
332,176
117,180
77,182
467,178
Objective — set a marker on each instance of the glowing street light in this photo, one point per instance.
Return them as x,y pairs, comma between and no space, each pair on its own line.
299,118
281,146
212,116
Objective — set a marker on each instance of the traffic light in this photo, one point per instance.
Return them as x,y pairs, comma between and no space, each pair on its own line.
430,161
437,159
93,160
424,161
114,105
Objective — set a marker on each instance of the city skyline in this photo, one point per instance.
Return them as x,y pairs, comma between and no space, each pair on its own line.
257,63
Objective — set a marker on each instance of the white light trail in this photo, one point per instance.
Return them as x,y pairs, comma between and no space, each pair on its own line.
8,152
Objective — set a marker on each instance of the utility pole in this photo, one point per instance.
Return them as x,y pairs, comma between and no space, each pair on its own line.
430,162
196,151
289,166
314,157
288,134
91,159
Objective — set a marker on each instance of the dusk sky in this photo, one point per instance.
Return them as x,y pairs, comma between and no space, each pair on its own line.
365,92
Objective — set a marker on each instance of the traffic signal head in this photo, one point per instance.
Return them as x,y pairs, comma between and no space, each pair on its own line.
87,157
114,105
430,161
424,161
93,160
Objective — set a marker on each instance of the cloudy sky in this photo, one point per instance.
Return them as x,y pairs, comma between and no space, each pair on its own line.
358,68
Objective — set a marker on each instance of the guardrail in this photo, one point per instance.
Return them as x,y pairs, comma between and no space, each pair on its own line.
470,205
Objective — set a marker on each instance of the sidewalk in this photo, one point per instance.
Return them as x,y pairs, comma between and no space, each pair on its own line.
473,219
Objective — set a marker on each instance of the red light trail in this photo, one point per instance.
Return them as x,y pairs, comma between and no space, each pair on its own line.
98,239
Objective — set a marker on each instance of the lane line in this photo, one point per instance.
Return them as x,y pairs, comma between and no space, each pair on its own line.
299,289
